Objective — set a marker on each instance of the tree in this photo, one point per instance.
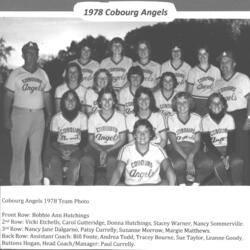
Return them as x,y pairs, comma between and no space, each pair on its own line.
5,51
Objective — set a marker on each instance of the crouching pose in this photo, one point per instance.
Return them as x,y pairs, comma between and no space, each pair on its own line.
68,131
218,134
189,161
142,160
107,133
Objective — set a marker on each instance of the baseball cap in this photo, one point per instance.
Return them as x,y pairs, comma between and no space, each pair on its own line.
30,45
226,53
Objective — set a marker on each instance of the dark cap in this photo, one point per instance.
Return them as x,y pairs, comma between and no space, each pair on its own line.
30,45
227,53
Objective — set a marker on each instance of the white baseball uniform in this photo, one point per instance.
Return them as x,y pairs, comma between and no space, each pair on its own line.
118,70
142,168
234,90
181,73
156,119
185,132
203,81
69,133
90,100
125,98
106,132
151,71
218,131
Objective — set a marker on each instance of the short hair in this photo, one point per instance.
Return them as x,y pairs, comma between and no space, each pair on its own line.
96,74
65,95
148,92
221,97
172,75
135,70
84,43
70,65
205,47
146,43
107,90
117,40
185,95
147,124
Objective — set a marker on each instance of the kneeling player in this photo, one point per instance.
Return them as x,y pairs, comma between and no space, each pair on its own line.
218,135
142,160
68,131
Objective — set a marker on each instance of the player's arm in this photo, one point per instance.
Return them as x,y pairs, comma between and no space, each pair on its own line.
130,137
117,174
176,146
84,139
169,171
57,104
247,123
48,107
89,110
196,146
164,138
209,145
8,101
121,108
190,87
120,143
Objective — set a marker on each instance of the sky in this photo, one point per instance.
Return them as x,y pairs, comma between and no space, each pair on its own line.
54,34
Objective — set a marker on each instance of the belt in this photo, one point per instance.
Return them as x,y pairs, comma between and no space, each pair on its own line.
28,110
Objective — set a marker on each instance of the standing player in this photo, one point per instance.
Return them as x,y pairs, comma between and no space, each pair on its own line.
235,87
218,134
151,69
145,108
102,78
73,78
201,80
117,64
68,130
164,95
143,160
126,95
88,66
177,66
27,93
107,133
184,133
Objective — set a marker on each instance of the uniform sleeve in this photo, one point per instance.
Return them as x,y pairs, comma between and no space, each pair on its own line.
161,154
84,122
47,83
158,70
91,127
123,155
161,124
231,123
191,77
11,81
121,98
245,85
130,123
122,124
170,124
198,125
204,127
87,101
218,74
54,124
57,93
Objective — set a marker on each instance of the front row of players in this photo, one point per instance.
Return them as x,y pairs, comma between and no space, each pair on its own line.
199,148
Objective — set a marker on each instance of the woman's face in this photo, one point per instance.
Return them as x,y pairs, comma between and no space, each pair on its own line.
85,53
142,135
143,51
176,53
107,102
182,105
102,80
116,48
203,56
168,83
70,102
143,101
216,105
73,74
135,80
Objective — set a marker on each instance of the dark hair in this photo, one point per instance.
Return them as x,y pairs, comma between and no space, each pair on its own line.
146,43
222,99
147,124
117,40
135,70
82,44
65,95
172,75
96,75
73,64
205,47
187,96
148,92
107,90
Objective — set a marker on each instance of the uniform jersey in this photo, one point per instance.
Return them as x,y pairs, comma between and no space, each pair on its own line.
151,71
234,90
106,132
90,100
88,71
142,168
218,131
181,73
69,133
156,119
28,87
163,103
203,81
61,89
118,70
125,98
184,132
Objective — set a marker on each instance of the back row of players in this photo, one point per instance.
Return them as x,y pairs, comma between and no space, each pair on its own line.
143,88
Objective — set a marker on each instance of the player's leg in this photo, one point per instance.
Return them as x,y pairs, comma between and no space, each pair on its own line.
111,166
19,135
36,142
236,169
54,170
